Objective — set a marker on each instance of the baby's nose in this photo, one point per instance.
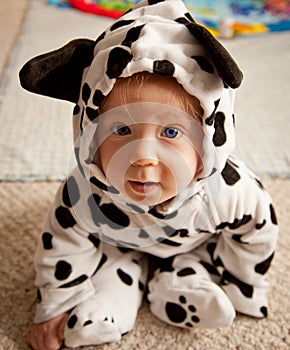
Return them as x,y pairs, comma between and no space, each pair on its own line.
144,153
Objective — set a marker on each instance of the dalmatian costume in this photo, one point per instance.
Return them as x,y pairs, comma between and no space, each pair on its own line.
211,245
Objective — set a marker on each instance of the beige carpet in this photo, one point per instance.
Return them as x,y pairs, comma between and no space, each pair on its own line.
26,147
22,209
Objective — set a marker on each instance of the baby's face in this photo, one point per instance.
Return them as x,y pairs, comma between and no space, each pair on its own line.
146,146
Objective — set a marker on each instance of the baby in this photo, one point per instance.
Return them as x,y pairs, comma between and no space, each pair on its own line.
155,202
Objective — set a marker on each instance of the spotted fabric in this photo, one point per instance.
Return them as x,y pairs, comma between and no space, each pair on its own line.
214,242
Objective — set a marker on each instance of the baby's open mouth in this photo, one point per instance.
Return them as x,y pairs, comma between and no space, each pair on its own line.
143,187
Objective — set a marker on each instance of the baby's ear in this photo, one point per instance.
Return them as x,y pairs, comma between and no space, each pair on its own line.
226,66
58,73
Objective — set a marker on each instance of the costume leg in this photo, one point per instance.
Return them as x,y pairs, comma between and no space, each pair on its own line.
184,294
242,266
108,314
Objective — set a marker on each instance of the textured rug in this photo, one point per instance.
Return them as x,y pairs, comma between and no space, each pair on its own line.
35,133
22,210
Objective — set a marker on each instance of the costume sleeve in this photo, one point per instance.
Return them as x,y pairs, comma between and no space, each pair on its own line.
66,258
247,231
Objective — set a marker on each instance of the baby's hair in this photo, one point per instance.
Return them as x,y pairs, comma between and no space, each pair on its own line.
189,103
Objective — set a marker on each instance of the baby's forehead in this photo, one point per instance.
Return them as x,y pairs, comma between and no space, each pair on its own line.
146,112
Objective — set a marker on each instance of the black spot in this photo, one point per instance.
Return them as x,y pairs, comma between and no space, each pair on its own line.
175,312
62,270
92,114
186,272
237,223
171,232
153,2
246,289
117,62
98,183
135,208
238,238
230,175
102,186
132,36
158,215
195,319
86,93
263,267
259,226
98,97
116,218
141,286
125,277
88,322
211,249
64,217
107,214
183,232
70,193
76,110
166,265
168,242
219,137
101,263
75,282
163,67
100,37
192,308
94,238
264,311
182,299
204,64
143,234
121,23
273,215
47,240
209,268
210,119
123,249
72,321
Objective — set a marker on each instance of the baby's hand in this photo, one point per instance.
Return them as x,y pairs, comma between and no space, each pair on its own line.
48,335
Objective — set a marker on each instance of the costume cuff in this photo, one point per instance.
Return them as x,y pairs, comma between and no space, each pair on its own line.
55,301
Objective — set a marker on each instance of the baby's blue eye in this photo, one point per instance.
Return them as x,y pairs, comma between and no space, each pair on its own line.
122,130
171,132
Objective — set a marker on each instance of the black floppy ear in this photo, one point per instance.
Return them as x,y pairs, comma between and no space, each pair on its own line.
226,66
58,73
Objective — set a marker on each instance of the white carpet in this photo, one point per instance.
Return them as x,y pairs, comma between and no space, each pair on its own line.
35,133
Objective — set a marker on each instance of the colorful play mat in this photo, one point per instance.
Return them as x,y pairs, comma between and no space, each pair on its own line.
225,18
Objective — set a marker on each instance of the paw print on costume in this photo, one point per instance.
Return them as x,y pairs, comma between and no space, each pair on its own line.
179,314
